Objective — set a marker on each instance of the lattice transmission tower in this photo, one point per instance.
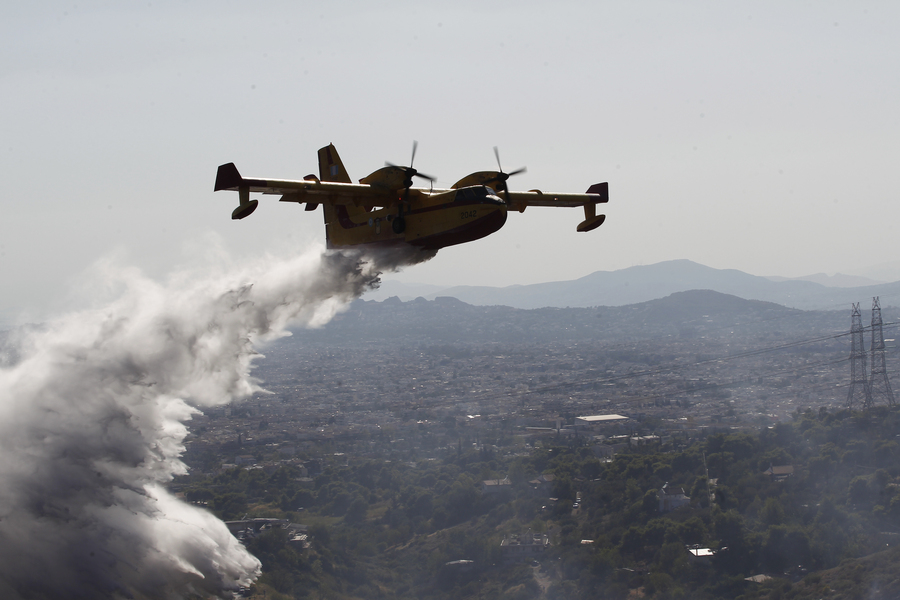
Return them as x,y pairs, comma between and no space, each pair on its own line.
860,393
879,386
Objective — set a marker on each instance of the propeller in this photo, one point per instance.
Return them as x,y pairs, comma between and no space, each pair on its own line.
410,171
501,177
398,224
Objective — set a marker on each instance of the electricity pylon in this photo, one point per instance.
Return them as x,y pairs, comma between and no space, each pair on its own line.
860,393
879,386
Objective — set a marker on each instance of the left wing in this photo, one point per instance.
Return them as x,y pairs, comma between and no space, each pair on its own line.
310,190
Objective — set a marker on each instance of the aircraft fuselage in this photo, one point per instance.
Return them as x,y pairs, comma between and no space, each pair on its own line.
429,221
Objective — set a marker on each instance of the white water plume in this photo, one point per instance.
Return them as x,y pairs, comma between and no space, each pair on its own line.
93,417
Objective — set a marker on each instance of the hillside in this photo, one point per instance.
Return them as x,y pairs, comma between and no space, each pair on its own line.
395,413
648,282
449,320
872,577
397,529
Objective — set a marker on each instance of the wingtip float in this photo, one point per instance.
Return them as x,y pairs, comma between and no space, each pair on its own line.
385,209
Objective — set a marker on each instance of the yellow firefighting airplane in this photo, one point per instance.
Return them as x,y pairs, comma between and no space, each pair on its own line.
384,208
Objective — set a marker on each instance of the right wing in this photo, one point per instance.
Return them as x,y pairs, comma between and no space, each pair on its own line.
596,194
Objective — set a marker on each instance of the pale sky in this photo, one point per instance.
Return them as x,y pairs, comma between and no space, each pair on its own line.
759,136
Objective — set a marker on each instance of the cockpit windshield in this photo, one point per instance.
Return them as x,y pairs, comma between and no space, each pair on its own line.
478,193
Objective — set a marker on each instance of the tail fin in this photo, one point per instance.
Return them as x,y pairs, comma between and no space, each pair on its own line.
330,166
331,169
227,178
591,219
601,189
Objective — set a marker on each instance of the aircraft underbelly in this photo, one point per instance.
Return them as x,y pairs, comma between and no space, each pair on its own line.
456,226
430,227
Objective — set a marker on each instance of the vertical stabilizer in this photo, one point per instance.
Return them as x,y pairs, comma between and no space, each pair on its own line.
330,166
331,169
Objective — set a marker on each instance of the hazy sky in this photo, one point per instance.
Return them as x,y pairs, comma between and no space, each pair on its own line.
760,136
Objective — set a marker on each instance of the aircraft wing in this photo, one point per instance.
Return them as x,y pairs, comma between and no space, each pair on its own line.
596,194
310,190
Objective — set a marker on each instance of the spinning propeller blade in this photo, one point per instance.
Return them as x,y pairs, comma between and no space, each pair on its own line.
410,171
501,176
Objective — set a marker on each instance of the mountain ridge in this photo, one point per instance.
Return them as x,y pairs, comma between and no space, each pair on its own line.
648,282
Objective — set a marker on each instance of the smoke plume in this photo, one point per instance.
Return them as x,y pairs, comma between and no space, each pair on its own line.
93,416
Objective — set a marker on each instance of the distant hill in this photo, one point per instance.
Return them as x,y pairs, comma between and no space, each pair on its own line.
836,280
706,305
650,282
686,314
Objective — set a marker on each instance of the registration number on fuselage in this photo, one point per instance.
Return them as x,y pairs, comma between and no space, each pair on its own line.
468,214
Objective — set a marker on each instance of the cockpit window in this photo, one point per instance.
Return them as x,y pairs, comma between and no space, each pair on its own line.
475,193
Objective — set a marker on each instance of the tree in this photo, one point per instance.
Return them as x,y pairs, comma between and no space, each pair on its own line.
356,512
564,489
772,512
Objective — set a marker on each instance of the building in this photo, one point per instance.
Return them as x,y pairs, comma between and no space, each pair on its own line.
526,546
246,529
672,498
494,486
701,555
642,440
543,484
779,473
595,422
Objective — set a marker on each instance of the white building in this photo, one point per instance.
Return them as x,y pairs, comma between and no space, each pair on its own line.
598,420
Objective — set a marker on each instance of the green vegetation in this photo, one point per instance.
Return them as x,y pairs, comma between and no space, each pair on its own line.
388,529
